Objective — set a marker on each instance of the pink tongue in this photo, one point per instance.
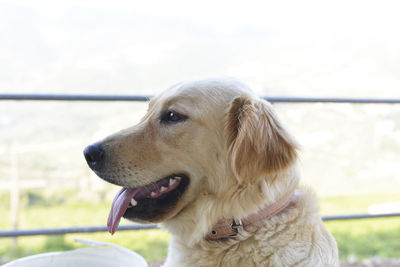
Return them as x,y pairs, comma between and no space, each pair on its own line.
119,206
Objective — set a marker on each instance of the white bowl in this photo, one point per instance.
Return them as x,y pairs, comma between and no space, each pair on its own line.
105,256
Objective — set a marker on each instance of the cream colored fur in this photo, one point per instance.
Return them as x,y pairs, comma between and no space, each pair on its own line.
239,157
295,237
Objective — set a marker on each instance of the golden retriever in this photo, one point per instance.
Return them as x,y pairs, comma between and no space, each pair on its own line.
212,163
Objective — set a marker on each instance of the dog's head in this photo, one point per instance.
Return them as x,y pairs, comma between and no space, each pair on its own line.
204,149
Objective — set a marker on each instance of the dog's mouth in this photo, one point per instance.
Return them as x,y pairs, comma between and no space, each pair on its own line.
147,202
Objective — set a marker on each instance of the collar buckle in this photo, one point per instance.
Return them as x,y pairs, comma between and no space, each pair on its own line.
236,225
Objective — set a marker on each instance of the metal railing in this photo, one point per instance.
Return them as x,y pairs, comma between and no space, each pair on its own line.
142,98
96,229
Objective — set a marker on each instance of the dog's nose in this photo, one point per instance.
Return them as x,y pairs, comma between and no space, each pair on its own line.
94,155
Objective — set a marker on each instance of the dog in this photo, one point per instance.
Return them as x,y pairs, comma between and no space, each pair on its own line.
215,167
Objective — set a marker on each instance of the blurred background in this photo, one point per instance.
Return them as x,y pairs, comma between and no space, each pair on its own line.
350,152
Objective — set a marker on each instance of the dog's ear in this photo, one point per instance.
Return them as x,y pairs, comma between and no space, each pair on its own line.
257,142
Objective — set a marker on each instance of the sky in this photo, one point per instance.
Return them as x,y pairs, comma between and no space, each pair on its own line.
292,48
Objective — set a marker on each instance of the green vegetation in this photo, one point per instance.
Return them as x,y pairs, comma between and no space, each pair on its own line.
361,238
46,213
354,204
367,238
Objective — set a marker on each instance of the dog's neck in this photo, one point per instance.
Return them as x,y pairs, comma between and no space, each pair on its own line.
191,226
227,228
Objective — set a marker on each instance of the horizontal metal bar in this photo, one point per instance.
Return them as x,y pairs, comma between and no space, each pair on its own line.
358,216
94,229
279,99
67,97
273,99
72,230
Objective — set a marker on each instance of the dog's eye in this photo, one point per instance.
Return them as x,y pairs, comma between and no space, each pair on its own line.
172,117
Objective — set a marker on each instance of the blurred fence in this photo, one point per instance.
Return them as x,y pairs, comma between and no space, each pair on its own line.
93,229
278,99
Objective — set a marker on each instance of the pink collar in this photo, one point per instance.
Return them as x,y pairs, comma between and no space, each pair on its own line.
226,228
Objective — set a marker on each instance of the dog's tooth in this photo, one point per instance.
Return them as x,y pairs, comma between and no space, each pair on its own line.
162,189
172,181
153,194
178,178
133,202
